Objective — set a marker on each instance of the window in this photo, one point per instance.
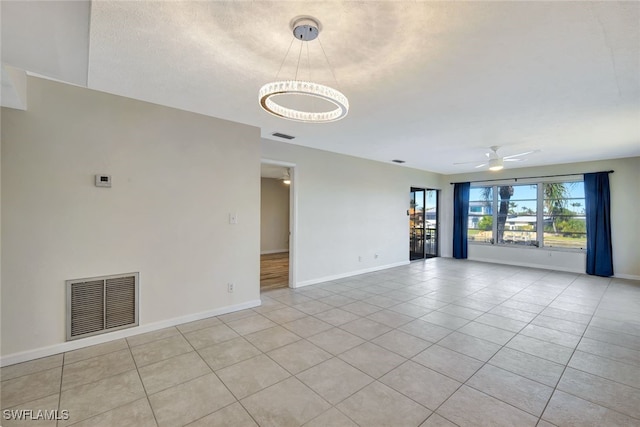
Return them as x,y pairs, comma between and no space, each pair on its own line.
565,223
517,218
548,214
480,226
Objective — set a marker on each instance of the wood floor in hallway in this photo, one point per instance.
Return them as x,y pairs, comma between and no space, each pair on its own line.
274,271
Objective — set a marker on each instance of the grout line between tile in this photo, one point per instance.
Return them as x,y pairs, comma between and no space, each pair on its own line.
573,352
487,362
144,388
60,391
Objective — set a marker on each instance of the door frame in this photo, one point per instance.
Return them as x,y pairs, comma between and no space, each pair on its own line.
293,214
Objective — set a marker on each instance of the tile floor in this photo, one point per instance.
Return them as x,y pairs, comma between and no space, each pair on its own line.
435,343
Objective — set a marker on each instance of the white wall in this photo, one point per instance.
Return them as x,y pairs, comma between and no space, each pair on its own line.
625,219
176,177
347,208
274,216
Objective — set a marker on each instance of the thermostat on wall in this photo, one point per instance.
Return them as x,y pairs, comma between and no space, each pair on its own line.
103,180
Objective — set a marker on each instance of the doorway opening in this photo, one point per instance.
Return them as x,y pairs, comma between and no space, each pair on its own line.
277,199
423,223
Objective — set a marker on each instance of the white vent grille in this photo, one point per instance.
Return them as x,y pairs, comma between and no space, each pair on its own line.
101,304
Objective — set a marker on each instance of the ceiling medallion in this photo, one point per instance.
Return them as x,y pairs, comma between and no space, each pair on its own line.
305,29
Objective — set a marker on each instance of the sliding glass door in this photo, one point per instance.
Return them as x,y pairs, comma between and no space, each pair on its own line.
423,223
416,224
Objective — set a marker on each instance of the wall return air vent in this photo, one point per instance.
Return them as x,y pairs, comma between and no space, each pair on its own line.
99,305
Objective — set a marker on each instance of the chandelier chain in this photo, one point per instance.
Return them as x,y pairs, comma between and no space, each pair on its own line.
299,56
309,61
284,59
329,63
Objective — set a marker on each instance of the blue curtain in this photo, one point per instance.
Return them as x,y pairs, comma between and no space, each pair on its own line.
598,209
460,219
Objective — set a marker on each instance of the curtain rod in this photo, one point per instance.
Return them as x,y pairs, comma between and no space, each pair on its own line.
528,177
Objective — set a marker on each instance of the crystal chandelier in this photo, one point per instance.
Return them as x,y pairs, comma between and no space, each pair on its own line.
305,29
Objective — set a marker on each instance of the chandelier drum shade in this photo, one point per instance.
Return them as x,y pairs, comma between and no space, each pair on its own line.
304,29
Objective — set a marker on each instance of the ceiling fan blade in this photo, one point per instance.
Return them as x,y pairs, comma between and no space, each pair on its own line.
514,160
465,163
479,166
520,154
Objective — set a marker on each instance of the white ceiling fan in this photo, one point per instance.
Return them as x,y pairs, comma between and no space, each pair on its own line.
496,162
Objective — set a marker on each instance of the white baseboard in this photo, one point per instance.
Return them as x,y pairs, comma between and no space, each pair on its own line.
626,276
528,264
549,267
37,353
349,274
274,251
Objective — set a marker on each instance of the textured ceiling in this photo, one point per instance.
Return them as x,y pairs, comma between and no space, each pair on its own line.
431,83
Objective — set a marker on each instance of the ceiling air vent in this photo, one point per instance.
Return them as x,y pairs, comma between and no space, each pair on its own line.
101,304
283,135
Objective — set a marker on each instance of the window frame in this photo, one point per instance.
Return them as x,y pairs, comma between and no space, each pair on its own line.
480,216
541,203
539,242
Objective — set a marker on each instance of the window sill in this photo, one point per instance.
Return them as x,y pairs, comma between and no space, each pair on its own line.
556,249
529,247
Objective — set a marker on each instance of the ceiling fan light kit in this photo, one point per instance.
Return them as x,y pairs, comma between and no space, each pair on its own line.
496,164
304,29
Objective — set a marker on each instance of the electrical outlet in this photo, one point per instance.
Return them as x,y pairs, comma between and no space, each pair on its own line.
230,287
375,256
